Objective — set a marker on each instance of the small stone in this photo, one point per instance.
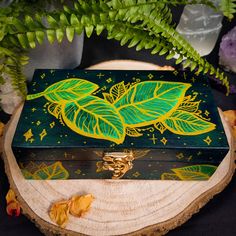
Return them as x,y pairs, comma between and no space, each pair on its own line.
227,52
9,97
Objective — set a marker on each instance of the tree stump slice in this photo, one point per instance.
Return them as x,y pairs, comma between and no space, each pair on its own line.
121,206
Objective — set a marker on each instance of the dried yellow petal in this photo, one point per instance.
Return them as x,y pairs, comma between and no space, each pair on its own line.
59,213
10,197
80,204
1,128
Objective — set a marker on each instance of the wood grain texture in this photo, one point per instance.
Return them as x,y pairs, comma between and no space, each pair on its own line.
120,206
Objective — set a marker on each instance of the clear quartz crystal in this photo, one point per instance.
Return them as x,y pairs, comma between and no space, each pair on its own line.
200,25
64,55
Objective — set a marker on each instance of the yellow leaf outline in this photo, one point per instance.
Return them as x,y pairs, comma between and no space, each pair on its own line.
133,132
54,171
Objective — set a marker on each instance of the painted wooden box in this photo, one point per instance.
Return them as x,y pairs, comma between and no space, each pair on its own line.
119,124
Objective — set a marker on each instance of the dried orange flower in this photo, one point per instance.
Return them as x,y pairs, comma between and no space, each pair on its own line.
1,128
230,116
13,206
80,204
59,213
76,206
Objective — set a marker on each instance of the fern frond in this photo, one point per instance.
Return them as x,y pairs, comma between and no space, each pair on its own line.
228,7
145,24
12,63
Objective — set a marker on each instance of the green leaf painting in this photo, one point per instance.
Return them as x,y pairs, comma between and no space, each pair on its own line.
183,122
195,172
46,172
125,109
66,90
150,101
94,117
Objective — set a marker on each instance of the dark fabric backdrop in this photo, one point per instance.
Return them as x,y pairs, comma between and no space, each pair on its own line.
218,217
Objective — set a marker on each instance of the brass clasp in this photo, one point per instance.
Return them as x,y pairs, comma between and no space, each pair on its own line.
118,162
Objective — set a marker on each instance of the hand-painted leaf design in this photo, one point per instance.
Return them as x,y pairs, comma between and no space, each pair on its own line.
27,174
66,90
118,90
54,109
108,97
94,117
133,132
54,171
195,172
189,106
149,102
186,123
159,126
169,176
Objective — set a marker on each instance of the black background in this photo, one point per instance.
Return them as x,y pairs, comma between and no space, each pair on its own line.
218,217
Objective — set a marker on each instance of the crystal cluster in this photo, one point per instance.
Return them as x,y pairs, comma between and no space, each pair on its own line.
227,52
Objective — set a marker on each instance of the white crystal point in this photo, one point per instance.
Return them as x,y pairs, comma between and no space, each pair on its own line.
200,26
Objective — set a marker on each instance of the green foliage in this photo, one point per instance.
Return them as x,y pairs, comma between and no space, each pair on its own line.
228,7
144,24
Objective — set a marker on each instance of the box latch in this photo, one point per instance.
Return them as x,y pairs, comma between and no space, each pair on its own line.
117,162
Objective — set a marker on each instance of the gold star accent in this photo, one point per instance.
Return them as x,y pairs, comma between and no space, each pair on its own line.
193,79
78,171
109,80
100,75
164,140
28,135
207,113
46,104
38,123
136,174
43,76
31,140
43,134
33,109
180,155
32,155
66,154
190,158
175,72
150,76
52,124
207,140
154,139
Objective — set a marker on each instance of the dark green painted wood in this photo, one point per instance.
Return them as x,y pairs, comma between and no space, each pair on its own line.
62,144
